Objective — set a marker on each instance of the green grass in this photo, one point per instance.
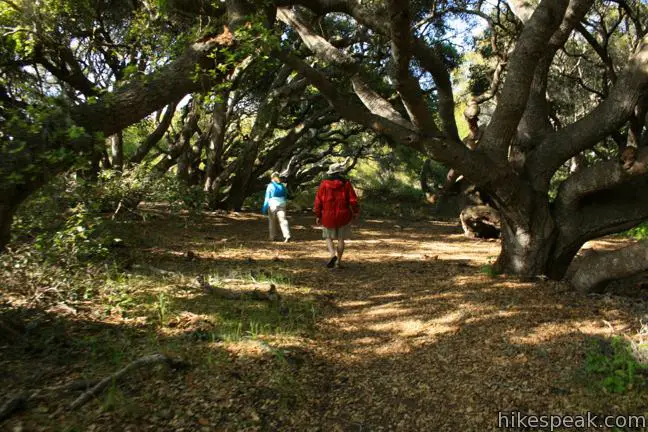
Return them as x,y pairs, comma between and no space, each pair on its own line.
488,270
612,366
234,319
124,313
248,319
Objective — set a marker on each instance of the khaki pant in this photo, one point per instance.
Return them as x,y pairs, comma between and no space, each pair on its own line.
277,216
339,233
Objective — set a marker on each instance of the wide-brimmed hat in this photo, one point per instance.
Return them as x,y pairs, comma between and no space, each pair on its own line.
336,168
275,174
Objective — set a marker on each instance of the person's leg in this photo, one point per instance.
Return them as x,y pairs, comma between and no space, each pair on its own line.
331,249
272,218
283,223
343,233
340,250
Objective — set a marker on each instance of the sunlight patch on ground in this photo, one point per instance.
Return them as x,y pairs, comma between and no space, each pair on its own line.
452,317
408,328
394,347
355,303
391,295
388,311
489,317
429,338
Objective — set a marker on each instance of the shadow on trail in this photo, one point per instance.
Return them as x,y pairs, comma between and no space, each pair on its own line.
412,335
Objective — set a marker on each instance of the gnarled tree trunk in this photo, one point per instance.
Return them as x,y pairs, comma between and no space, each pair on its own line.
108,114
214,163
597,268
116,142
480,222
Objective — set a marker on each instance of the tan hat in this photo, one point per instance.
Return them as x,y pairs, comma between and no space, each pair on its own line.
336,168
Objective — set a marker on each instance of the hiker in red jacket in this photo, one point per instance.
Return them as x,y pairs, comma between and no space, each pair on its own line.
336,205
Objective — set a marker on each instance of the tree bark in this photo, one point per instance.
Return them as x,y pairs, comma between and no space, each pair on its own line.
215,147
155,136
480,222
182,143
264,124
117,150
108,114
597,268
528,236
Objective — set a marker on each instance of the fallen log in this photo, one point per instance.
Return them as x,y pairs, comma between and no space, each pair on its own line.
271,295
480,221
114,378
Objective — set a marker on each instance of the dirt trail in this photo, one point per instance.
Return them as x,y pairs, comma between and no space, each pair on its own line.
422,338
415,334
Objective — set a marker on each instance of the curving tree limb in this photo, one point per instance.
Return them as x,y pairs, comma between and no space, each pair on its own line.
600,267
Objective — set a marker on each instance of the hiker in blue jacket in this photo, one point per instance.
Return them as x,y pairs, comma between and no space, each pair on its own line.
275,207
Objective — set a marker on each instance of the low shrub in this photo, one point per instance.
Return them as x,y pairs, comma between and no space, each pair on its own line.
613,365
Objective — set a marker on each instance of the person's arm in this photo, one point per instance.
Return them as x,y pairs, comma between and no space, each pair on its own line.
353,200
266,202
317,207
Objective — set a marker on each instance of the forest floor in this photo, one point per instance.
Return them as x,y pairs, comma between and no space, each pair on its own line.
414,334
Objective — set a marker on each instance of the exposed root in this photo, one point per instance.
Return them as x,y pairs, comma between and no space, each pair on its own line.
271,295
14,404
22,400
114,378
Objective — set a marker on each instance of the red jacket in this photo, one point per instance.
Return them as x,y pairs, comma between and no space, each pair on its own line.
336,202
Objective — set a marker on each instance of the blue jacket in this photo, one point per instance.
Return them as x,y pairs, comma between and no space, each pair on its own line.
276,194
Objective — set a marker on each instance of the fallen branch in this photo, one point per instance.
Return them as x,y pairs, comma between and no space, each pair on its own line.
73,386
137,364
15,403
119,206
153,269
22,400
598,268
271,295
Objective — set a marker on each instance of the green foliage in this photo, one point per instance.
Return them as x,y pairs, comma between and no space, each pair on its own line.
162,308
81,237
478,78
393,198
128,188
488,270
639,232
69,221
303,200
62,227
255,201
178,195
388,190
118,297
612,364
390,161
